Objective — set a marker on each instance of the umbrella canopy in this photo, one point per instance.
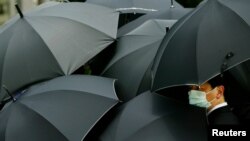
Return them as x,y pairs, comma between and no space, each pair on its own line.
52,40
150,117
132,9
133,58
210,40
62,109
241,73
138,6
168,14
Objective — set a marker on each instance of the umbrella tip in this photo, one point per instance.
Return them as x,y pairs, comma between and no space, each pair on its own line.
172,4
19,10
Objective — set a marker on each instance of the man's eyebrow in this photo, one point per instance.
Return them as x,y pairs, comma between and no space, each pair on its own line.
193,87
201,88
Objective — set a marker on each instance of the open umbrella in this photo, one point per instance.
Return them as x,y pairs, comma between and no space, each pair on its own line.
241,73
132,9
210,40
137,6
150,117
167,14
62,109
52,40
133,57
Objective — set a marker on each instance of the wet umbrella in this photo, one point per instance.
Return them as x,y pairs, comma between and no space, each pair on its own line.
133,57
210,40
52,40
62,109
150,117
137,6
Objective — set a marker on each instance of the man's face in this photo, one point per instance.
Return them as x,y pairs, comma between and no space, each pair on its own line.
207,88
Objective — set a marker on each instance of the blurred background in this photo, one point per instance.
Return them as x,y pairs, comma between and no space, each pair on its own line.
7,8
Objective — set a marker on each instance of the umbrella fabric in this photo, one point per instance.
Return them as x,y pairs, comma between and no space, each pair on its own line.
52,40
138,6
210,40
62,109
150,117
132,9
242,75
133,58
168,14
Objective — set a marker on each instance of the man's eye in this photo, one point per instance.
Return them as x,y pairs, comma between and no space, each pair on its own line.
202,89
193,88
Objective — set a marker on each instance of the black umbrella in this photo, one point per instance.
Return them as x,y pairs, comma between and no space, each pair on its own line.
62,109
133,57
167,14
133,9
210,40
52,40
137,6
150,117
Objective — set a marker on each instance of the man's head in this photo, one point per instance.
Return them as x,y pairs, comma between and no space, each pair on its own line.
207,95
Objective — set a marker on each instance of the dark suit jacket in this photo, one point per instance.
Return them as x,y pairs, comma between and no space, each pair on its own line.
222,116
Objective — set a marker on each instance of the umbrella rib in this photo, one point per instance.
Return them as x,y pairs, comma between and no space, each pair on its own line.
98,50
89,93
144,73
143,76
196,57
5,54
242,19
43,118
159,52
93,125
82,23
16,22
160,27
122,57
8,24
109,40
45,44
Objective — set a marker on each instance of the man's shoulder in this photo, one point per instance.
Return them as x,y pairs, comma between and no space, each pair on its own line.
223,116
221,106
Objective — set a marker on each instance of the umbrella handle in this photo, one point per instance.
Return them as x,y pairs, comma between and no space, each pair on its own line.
172,4
19,11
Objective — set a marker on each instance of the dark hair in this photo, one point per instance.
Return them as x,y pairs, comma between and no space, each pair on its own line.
216,81
221,80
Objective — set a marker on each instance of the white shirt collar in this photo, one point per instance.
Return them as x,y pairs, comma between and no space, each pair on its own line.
217,106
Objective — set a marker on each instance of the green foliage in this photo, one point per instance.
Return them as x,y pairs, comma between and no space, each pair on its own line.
2,2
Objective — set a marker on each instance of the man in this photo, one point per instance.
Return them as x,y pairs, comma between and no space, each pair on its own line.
210,95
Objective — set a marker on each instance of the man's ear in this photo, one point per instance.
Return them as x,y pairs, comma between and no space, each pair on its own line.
220,91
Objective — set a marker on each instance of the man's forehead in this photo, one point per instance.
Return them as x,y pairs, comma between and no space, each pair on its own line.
202,86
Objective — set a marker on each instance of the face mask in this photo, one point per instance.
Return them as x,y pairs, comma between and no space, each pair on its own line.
198,98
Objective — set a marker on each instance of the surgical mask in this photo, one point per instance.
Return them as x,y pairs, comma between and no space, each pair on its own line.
198,98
